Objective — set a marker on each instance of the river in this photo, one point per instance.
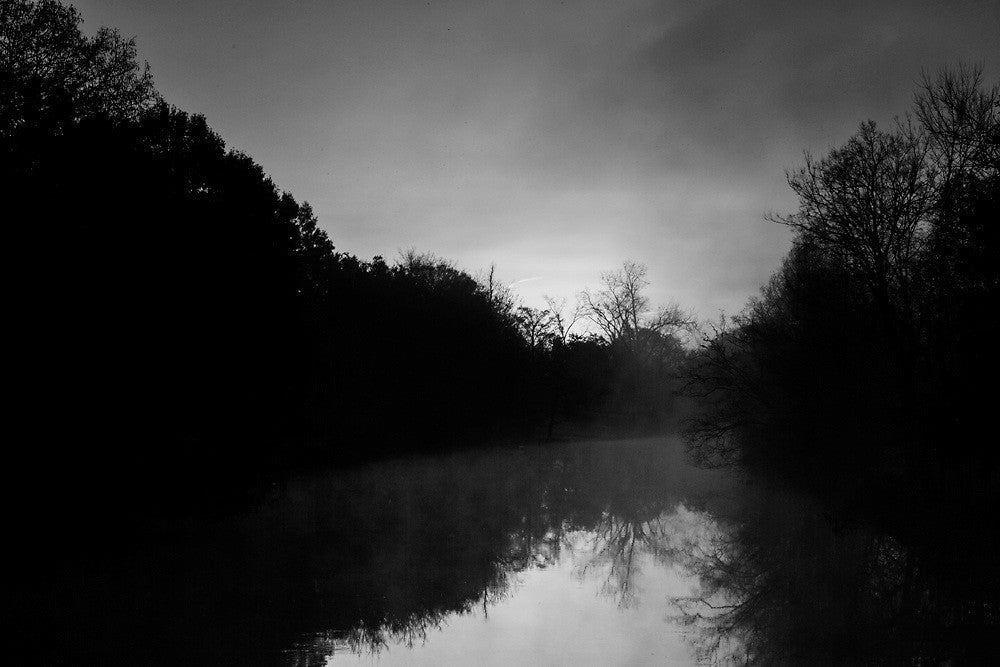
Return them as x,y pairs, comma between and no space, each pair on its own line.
586,553
572,553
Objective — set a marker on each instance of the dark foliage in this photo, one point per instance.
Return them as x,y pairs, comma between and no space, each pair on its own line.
363,558
186,333
623,376
863,375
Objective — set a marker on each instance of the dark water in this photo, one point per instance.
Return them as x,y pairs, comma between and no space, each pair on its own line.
570,553
587,553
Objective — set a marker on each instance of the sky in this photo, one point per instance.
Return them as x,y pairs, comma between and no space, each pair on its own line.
552,139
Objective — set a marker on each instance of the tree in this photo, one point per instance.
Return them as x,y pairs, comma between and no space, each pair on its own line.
884,310
535,325
960,115
562,320
622,312
960,265
643,342
869,203
51,74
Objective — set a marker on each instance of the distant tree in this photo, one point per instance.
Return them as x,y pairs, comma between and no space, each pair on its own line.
537,326
642,342
562,319
499,294
621,309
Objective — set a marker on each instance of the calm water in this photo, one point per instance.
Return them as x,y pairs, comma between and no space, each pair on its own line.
578,553
585,553
571,554
595,602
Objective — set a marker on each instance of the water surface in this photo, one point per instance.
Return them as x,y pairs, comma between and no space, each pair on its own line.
612,552
567,554
577,553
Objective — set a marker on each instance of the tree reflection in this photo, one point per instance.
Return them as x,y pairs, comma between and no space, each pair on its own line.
613,546
616,548
789,585
378,556
457,534
383,556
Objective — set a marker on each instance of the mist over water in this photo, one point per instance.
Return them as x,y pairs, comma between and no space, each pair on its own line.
583,556
560,553
243,444
582,606
590,552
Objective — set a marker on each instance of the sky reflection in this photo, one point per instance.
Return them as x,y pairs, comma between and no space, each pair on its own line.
604,596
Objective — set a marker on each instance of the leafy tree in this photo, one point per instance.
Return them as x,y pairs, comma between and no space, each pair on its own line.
52,74
188,329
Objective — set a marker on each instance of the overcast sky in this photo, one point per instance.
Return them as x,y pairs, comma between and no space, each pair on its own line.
554,139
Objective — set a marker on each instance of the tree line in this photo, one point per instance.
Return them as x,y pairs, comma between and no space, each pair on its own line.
621,370
187,328
863,375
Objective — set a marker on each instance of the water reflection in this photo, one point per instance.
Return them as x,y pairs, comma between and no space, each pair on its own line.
615,549
613,552
422,542
788,584
439,554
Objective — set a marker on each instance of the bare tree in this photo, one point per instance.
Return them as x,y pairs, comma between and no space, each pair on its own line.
644,342
499,293
961,118
535,325
562,320
868,202
622,311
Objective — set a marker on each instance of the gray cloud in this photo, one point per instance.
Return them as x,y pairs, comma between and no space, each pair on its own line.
552,138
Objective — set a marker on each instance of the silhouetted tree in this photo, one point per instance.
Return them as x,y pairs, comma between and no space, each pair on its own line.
188,330
54,75
643,343
622,311
862,375
535,325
